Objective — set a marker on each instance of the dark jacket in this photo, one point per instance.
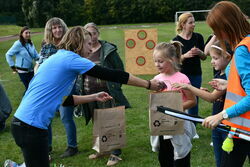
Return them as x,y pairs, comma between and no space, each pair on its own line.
109,58
5,106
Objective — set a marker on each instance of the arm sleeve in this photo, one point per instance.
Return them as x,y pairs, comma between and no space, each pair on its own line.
36,55
109,74
242,62
69,101
11,52
201,42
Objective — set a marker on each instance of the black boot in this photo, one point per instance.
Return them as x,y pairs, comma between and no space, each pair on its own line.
70,151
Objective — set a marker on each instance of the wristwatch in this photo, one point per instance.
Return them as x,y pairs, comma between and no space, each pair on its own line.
224,115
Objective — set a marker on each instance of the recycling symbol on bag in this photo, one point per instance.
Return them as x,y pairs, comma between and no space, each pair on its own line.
104,138
157,123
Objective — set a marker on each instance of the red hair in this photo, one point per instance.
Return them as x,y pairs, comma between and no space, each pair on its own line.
226,18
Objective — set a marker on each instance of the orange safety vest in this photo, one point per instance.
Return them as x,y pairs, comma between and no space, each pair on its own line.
235,93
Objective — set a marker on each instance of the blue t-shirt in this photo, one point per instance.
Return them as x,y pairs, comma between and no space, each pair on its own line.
53,80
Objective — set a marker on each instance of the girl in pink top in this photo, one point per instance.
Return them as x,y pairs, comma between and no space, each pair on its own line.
174,151
167,58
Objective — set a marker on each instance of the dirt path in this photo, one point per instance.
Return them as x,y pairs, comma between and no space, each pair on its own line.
9,37
6,38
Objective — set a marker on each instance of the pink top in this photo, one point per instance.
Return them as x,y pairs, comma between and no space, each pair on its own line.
177,77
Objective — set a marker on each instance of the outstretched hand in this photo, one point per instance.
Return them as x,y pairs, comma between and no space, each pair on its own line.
102,96
179,86
157,85
218,84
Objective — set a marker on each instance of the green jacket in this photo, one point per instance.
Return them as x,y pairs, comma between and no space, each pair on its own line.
109,58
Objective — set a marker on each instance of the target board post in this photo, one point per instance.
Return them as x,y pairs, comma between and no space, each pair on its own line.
139,47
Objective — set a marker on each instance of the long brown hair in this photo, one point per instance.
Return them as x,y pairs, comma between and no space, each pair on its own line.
74,39
227,18
23,42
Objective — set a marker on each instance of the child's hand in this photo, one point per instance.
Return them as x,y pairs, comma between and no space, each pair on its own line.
102,97
179,86
218,84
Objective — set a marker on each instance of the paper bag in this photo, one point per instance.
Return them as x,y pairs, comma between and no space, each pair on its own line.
109,129
159,123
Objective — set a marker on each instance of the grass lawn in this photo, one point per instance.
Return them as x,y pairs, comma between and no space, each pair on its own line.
6,30
138,152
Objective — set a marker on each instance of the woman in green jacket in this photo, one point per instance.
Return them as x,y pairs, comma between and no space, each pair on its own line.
104,54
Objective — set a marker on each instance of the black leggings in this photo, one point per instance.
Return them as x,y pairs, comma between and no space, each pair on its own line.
166,155
26,78
238,156
33,143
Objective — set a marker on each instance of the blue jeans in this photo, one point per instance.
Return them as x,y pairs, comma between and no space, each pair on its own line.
66,114
196,82
26,78
218,138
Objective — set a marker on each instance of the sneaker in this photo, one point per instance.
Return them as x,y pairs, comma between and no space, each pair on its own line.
98,155
9,163
196,136
113,160
211,144
70,151
50,158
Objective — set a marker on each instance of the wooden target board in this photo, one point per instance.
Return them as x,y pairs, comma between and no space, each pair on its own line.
139,47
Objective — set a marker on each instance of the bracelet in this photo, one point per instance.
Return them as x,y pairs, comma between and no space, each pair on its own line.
149,84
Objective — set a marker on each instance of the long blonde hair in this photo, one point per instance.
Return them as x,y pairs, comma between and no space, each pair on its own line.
48,35
227,18
171,51
182,20
74,39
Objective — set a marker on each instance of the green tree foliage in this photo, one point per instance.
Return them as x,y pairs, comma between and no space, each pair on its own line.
35,13
11,12
244,5
138,11
71,11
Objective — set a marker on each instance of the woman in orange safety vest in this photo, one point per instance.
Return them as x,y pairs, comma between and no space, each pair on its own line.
230,24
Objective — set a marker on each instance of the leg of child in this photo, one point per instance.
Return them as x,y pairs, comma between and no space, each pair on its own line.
183,162
166,153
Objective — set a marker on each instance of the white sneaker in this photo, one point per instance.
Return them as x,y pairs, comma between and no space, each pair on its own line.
196,136
9,163
211,144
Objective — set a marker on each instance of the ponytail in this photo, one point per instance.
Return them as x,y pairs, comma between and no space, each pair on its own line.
178,46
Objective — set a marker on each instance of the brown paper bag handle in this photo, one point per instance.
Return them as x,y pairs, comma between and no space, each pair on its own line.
112,103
